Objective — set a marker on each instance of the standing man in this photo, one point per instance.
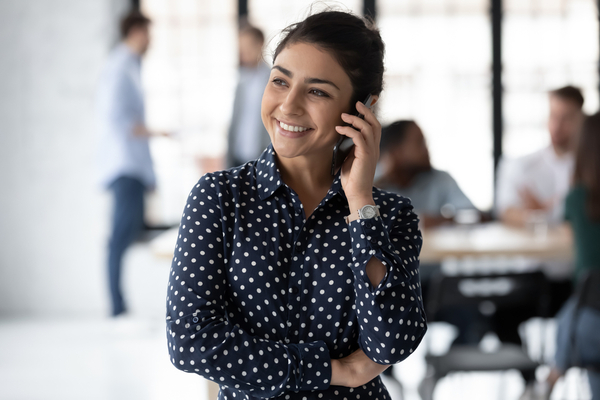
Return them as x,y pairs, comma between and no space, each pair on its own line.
247,136
126,164
539,182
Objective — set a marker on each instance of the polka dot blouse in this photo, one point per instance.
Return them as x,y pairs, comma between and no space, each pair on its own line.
261,298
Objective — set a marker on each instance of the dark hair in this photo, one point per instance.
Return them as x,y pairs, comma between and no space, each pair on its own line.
247,29
394,134
570,93
353,41
134,19
587,164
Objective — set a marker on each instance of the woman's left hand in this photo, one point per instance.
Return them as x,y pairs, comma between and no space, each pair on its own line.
358,171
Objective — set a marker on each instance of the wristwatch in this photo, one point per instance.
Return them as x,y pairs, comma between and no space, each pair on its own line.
366,212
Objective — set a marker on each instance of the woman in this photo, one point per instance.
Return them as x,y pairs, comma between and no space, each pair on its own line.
273,291
406,170
582,210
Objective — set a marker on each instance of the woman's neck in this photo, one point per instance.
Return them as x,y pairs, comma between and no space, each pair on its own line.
309,177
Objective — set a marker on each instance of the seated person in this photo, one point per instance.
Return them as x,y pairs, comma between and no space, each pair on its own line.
540,181
405,168
582,210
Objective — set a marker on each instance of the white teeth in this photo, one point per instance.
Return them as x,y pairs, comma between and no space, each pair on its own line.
292,128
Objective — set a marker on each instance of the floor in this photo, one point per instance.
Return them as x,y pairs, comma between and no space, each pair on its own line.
96,358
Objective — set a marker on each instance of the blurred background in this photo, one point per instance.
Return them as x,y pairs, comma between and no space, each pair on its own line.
475,74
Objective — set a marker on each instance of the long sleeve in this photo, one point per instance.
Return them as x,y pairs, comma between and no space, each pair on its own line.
391,315
202,339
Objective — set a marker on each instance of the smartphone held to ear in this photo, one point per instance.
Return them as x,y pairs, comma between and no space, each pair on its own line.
344,144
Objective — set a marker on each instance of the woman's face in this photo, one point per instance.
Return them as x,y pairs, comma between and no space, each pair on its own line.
307,93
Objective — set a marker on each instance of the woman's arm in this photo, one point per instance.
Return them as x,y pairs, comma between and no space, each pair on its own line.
390,311
202,339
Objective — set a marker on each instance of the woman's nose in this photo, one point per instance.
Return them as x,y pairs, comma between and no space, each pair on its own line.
292,103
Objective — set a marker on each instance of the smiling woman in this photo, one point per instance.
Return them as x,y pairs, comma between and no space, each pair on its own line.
288,281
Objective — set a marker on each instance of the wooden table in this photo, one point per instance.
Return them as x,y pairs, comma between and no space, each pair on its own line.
551,247
496,239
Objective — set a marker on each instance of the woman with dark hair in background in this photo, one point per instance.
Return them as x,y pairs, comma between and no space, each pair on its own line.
582,210
287,280
406,170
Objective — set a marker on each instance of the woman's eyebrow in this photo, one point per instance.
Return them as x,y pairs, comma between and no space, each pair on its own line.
289,74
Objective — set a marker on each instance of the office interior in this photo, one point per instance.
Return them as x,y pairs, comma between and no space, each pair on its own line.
475,75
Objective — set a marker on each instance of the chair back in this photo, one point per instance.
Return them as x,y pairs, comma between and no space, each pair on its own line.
491,291
588,295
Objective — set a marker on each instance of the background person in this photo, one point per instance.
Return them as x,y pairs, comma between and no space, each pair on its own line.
406,169
582,211
125,161
540,181
247,136
287,279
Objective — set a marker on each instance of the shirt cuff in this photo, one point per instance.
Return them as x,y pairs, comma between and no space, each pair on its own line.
314,366
371,239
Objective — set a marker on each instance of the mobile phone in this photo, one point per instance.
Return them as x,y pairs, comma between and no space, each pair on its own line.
344,144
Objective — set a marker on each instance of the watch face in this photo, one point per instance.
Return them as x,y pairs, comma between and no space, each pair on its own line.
368,212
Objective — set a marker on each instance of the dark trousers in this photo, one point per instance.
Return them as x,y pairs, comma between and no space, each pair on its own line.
127,224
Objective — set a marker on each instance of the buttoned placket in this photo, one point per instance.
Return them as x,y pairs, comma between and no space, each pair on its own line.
296,266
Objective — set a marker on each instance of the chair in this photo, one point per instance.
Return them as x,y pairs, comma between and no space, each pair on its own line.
488,293
587,295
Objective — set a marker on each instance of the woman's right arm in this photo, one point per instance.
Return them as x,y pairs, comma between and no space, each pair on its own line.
201,338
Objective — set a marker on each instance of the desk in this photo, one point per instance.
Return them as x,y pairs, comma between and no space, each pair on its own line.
495,240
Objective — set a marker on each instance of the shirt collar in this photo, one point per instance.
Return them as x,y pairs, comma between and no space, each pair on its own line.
268,176
269,179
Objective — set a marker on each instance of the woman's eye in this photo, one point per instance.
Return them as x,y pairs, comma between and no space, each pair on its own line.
319,93
279,82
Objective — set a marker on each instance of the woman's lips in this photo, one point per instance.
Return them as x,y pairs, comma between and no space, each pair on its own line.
298,131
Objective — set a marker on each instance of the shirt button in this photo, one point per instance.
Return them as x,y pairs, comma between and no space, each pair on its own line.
294,290
373,240
195,320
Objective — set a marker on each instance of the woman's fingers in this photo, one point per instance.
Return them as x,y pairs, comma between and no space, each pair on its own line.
369,117
357,137
359,369
358,125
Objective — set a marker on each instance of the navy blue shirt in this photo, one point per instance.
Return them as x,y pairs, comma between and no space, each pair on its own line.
261,298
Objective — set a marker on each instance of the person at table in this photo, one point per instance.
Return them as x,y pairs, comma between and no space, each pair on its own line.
405,168
287,280
540,181
582,211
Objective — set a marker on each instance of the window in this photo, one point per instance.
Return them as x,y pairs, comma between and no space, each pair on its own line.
546,45
439,74
189,76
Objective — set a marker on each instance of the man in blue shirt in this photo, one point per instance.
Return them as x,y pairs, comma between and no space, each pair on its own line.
247,136
125,161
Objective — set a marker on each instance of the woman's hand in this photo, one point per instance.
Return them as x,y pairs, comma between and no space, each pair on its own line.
355,370
358,170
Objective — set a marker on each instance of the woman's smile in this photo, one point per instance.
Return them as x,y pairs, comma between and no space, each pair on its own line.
292,130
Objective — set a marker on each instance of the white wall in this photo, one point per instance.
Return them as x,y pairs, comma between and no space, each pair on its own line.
53,216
